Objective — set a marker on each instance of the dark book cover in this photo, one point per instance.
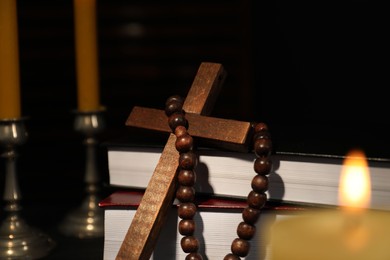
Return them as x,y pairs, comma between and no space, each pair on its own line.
131,198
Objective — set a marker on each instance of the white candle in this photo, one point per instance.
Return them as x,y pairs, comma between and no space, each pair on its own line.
351,233
330,235
10,107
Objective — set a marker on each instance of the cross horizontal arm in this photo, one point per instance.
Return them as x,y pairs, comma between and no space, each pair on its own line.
224,133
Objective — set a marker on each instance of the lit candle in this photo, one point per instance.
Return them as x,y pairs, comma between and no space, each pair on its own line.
86,55
9,61
352,233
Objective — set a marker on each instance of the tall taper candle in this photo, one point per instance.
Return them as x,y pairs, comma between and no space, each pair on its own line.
86,55
10,106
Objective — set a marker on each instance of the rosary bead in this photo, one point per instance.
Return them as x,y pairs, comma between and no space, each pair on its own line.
173,107
256,200
189,244
185,193
173,104
260,183
186,227
188,160
240,247
180,130
174,98
262,165
250,215
186,177
194,256
184,143
246,231
262,147
261,135
187,210
177,119
231,257
260,127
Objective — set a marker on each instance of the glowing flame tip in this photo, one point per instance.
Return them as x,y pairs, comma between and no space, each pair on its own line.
355,184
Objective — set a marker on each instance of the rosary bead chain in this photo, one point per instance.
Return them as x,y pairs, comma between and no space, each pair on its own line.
256,199
186,178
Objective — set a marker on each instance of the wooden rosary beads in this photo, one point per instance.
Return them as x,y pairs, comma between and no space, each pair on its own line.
186,177
256,199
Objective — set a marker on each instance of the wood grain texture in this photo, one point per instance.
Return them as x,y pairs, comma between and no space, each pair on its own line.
205,89
142,235
225,133
150,216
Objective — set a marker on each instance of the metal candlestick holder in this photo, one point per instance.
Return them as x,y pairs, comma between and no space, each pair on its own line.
87,221
17,239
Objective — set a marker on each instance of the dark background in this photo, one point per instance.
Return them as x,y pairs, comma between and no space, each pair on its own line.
313,71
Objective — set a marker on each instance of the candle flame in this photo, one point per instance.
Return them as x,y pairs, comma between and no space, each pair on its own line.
355,183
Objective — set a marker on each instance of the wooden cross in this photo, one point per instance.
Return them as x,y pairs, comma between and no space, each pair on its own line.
150,216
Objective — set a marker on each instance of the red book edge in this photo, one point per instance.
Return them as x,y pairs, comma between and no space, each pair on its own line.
132,198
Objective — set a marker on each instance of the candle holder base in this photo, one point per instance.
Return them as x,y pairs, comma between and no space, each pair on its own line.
87,221
17,239
20,241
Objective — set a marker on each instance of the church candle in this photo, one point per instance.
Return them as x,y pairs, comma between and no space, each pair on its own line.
10,107
352,233
86,55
